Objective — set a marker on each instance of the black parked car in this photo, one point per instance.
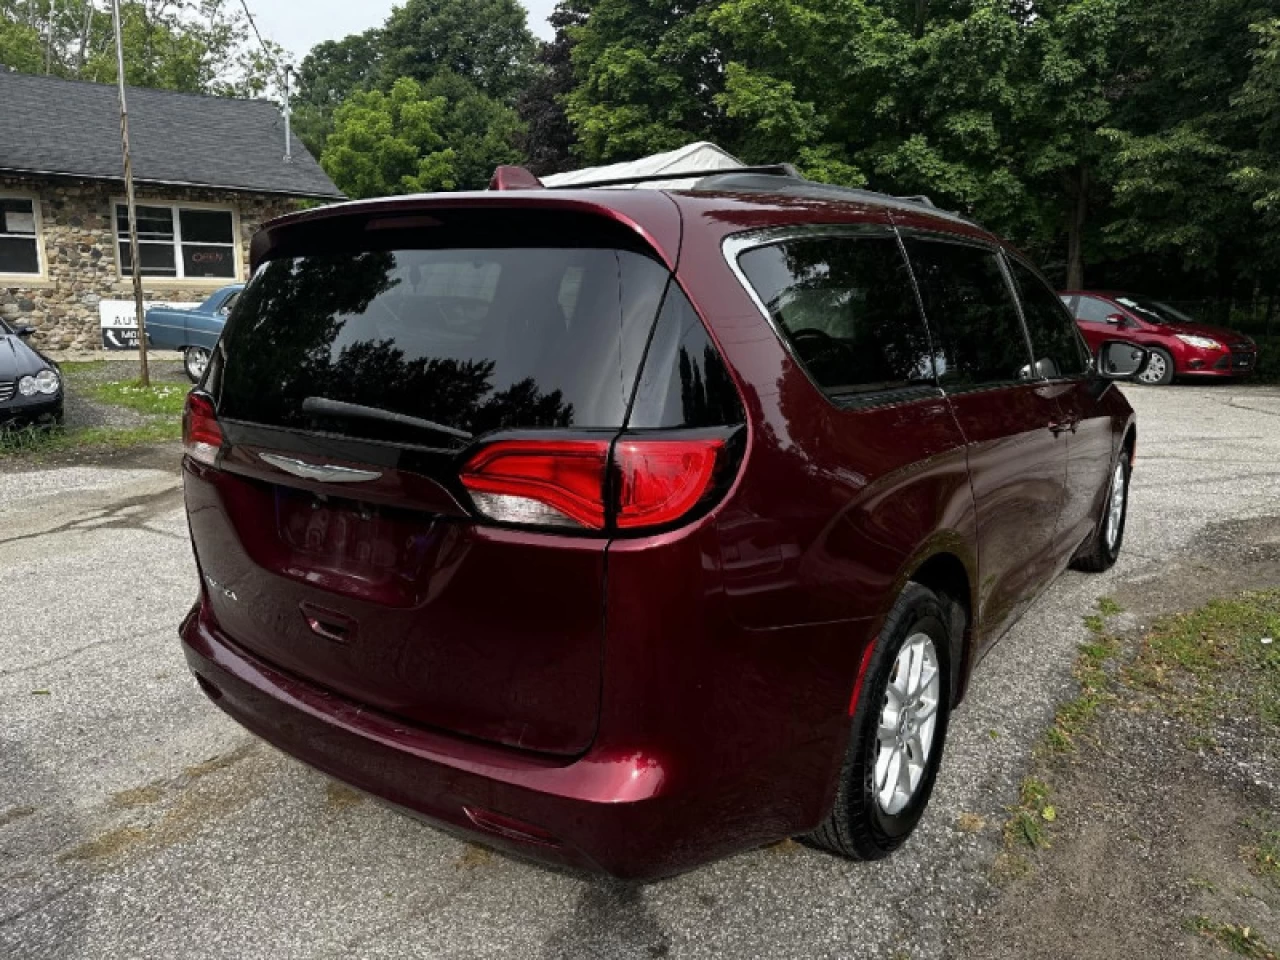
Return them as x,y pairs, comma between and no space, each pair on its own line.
30,383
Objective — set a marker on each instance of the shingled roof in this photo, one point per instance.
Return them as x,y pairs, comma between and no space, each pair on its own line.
72,128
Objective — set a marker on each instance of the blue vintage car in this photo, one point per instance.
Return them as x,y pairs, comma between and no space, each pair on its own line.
193,330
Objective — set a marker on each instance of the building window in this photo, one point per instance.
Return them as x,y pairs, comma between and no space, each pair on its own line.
19,237
186,243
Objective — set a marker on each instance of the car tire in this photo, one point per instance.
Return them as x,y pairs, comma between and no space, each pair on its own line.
1159,371
868,821
1103,548
194,361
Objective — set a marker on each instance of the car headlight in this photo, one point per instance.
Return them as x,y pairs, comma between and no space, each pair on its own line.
47,382
27,386
1204,343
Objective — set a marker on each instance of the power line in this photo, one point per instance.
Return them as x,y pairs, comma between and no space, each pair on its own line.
262,43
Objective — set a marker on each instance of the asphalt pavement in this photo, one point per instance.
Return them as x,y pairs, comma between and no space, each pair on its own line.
138,821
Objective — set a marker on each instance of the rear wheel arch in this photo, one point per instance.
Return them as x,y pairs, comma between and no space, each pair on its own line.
947,576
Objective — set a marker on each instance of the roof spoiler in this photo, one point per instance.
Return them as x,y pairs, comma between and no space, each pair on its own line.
509,177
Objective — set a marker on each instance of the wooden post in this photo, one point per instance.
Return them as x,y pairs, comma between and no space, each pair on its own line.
144,373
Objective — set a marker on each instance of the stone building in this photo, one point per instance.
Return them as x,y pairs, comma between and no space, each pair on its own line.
207,170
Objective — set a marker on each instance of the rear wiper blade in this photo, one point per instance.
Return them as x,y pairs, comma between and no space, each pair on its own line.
323,406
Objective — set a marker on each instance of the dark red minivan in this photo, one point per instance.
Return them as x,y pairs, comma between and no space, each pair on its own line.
627,529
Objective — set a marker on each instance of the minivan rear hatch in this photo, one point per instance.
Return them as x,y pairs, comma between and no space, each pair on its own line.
369,356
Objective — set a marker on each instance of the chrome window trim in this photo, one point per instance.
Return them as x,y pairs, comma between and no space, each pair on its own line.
735,245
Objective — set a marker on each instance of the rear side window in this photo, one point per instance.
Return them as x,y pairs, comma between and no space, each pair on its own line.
848,310
476,339
684,382
1054,340
1093,310
976,329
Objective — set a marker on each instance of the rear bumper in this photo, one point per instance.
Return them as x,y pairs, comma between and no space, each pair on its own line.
607,811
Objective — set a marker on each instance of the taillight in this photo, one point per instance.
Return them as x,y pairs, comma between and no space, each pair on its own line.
662,480
541,482
565,482
201,435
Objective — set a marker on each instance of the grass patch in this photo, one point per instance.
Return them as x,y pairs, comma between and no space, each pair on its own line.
32,441
1239,940
159,399
1027,825
1074,716
1215,656
1266,856
1108,607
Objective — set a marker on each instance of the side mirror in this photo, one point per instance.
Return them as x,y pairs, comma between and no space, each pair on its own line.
1119,360
1118,320
24,331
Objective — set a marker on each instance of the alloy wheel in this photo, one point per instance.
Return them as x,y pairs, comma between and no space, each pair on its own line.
908,722
1115,507
1157,367
197,359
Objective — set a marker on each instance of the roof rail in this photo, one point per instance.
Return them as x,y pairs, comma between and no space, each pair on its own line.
919,198
772,169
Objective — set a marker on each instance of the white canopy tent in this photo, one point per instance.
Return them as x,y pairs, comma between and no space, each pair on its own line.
702,157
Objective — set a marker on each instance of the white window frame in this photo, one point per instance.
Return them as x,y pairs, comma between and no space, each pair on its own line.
42,264
175,208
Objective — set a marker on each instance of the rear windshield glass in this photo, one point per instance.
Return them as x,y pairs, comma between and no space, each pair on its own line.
472,339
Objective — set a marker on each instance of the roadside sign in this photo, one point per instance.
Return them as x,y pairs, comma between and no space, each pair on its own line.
120,325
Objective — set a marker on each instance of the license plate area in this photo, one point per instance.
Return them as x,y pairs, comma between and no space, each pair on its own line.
338,536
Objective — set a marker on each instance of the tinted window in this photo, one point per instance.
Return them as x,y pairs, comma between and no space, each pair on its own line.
476,339
1153,311
684,382
1055,343
848,309
972,314
19,252
1093,310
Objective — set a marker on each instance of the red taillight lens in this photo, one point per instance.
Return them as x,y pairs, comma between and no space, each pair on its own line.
662,480
562,482
540,482
201,435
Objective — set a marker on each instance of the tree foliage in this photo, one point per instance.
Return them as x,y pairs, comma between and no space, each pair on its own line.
1128,143
196,46
474,56
390,143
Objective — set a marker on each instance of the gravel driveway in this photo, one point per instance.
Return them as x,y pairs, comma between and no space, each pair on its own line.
137,821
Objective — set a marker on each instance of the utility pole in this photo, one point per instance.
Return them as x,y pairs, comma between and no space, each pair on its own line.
144,374
288,115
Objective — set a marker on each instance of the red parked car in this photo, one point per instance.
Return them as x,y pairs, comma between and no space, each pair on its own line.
627,529
1179,345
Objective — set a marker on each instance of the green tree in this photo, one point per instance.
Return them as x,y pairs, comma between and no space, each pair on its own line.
485,42
390,143
330,73
648,73
1076,57
909,97
1191,144
20,46
196,46
482,132
548,141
